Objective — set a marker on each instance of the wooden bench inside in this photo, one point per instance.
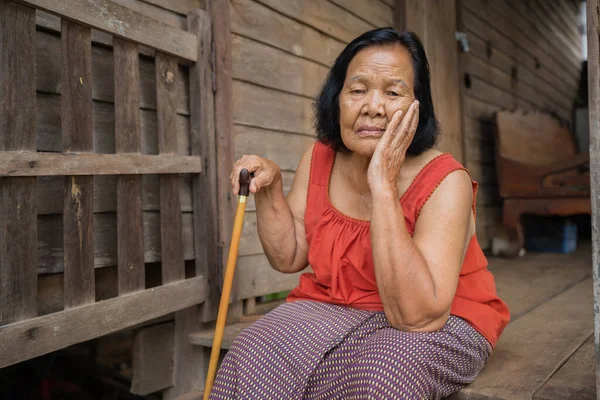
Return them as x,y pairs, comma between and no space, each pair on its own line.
539,170
546,352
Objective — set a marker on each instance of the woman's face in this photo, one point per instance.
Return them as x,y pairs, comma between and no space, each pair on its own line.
379,82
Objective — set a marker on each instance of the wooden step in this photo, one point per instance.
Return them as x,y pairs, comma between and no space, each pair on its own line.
574,380
205,337
533,346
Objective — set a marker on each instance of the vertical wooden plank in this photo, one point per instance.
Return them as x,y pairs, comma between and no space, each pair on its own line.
173,267
18,214
593,39
76,100
218,11
152,359
190,361
203,143
130,234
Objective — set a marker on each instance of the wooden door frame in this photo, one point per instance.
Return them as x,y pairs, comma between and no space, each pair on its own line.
593,38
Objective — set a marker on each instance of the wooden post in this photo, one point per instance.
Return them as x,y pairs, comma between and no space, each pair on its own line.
435,23
218,11
171,236
130,234
203,143
593,36
76,100
18,214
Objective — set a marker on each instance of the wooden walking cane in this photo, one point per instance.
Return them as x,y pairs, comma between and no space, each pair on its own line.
228,280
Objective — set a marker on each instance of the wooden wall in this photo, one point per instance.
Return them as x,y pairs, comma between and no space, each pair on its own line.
282,51
523,54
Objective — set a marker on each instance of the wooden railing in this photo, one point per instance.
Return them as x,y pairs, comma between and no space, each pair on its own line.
24,334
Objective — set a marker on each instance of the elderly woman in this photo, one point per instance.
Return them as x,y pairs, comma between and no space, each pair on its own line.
399,303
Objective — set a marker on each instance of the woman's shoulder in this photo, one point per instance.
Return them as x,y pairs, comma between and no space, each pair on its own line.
444,180
428,170
428,157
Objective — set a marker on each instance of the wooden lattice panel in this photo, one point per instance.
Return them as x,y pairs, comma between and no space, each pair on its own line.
74,197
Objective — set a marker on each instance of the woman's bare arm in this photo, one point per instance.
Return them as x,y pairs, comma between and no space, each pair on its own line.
280,219
417,276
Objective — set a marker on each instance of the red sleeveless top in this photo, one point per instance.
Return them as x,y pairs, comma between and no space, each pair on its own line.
340,252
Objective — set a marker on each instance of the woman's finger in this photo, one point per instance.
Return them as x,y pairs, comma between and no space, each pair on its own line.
405,130
251,163
395,122
260,180
391,129
414,124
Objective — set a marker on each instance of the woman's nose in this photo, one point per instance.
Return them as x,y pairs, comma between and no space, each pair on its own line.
374,105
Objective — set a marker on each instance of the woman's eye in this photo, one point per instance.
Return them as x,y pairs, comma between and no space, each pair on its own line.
393,94
358,91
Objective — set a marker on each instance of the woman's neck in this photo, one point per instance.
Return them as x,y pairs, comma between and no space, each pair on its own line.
354,169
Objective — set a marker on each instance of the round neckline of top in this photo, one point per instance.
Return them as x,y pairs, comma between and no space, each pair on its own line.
365,222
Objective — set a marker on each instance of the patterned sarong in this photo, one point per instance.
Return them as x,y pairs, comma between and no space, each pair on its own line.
312,350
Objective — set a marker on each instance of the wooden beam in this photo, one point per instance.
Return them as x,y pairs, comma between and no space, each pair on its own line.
77,135
203,144
170,208
20,163
130,234
34,337
124,23
18,226
593,39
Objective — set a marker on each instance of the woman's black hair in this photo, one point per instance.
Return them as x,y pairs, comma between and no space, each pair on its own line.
327,107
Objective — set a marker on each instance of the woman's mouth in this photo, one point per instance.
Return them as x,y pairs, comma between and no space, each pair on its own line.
370,130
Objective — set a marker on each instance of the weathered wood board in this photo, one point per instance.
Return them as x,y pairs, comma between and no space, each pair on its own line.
322,15
38,336
18,230
130,231
124,23
259,22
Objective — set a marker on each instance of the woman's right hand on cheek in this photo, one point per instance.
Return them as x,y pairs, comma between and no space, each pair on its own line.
264,173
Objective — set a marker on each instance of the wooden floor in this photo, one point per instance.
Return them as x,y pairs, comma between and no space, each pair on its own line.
547,351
